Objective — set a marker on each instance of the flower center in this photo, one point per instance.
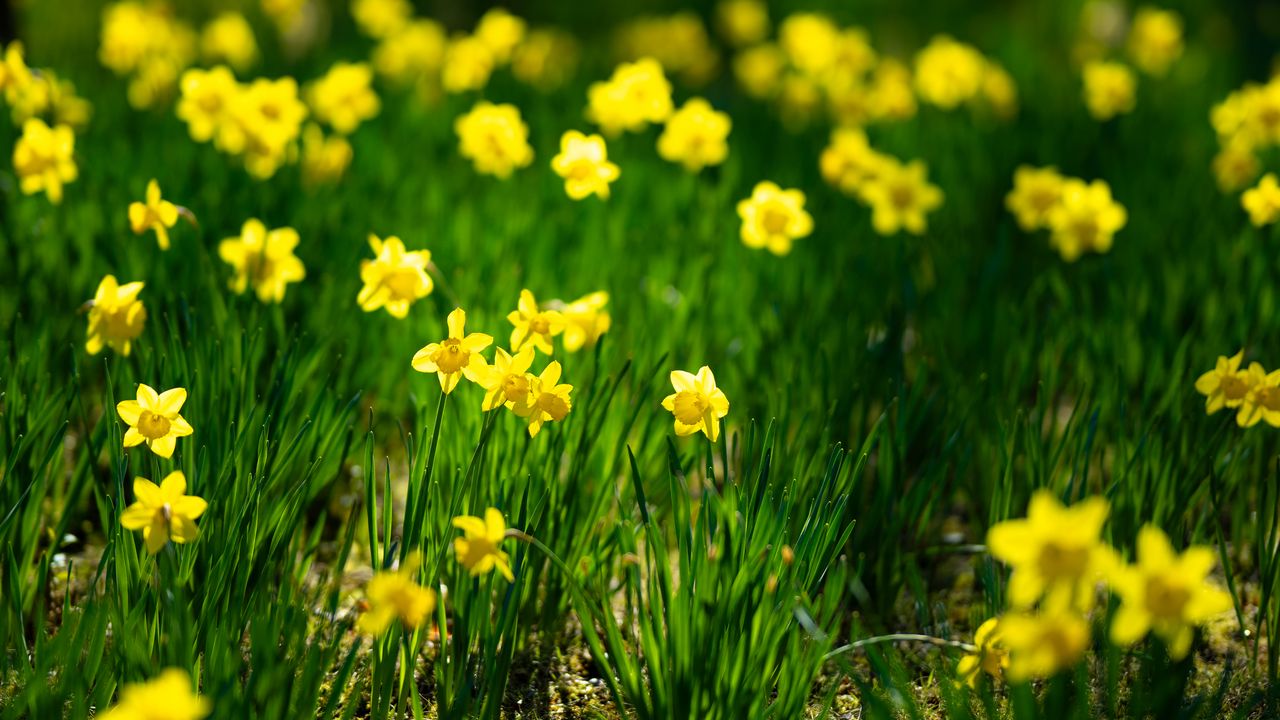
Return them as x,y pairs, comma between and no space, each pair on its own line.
403,283
515,387
1062,563
539,324
1234,387
1086,230
1164,599
902,196
775,220
153,426
451,358
689,407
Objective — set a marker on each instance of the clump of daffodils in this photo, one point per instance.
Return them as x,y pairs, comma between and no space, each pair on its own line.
1251,391
1247,124
899,194
637,94
39,92
258,122
679,42
1151,40
1081,217
148,44
494,138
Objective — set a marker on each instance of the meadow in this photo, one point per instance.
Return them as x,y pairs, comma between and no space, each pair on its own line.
641,360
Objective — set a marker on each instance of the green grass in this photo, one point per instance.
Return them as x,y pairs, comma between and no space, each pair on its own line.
892,398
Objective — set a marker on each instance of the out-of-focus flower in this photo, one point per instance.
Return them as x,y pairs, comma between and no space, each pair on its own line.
1226,385
506,381
207,97
890,95
546,59
154,418
948,72
1166,593
494,138
900,196
395,278
267,117
1262,401
454,356
324,159
810,41
501,32
1109,89
1043,644
43,159
1036,191
479,549
637,94
116,316
263,259
678,42
1086,219
695,136
170,696
533,325
585,320
584,164
990,656
165,512
412,54
1235,166
548,399
468,62
1155,40
1263,201
381,18
155,213
759,70
773,218
344,97
229,38
742,22
396,594
849,162
697,403
999,91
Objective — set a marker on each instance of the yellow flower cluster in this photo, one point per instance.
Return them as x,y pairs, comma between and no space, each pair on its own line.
899,194
1247,123
494,138
171,691
147,44
950,73
263,259
343,98
637,94
1081,217
1252,392
39,93
228,38
1153,44
1059,561
695,136
257,121
679,42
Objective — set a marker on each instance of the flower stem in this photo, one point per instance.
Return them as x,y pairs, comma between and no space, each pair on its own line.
901,637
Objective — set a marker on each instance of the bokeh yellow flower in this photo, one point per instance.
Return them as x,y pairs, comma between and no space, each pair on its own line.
900,197
344,97
1036,191
456,355
170,696
697,403
533,326
1235,165
773,218
205,104
585,320
479,549
411,54
228,38
268,117
501,32
155,213
1085,220
637,94
381,18
948,72
1165,593
506,381
695,136
395,279
548,399
1226,385
584,164
324,159
1262,401
116,316
810,42
154,418
263,259
495,138
1042,644
1109,89
163,513
990,656
43,159
396,595
759,69
546,59
742,22
1155,39
1262,201
849,161
468,63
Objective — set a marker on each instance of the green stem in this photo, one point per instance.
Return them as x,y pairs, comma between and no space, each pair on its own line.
901,637
424,488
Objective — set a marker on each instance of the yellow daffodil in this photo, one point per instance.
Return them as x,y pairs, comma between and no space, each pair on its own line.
585,320
810,41
395,278
1226,385
759,69
170,696
165,512
43,159
155,214
1263,201
14,73
264,259
116,316
900,197
1235,166
478,550
267,117
396,594
695,136
501,32
506,381
990,656
380,18
742,23
1262,401
494,138
1165,593
891,95
584,164
1055,552
635,95
207,98
154,419
533,326
548,399
468,63
1035,192
344,97
412,53
546,59
229,38
1109,89
849,161
1155,39
999,91
678,42
948,72
697,404
324,159
1085,219
1043,644
454,356
773,218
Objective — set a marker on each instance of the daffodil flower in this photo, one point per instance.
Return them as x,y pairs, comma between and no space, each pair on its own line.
163,512
455,356
478,550
697,404
153,418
